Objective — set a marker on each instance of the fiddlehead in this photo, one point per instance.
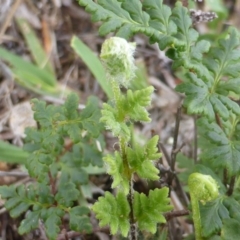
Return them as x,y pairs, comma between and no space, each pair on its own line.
202,188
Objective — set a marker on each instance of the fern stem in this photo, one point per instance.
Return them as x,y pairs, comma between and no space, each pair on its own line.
196,217
116,91
133,230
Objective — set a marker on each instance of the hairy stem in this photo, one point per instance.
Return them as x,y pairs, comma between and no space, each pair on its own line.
116,91
196,216
133,230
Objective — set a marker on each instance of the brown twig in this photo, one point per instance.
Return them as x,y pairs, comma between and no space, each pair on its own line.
179,187
164,151
174,176
231,186
170,215
174,147
52,183
225,177
175,138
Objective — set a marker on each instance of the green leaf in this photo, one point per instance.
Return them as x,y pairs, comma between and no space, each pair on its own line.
72,119
67,193
113,212
160,15
199,48
17,201
140,80
45,195
129,18
90,117
129,107
94,170
109,26
200,100
221,151
212,215
29,223
140,159
91,155
92,62
230,229
35,47
134,8
186,165
152,149
184,25
215,237
79,220
44,78
70,107
116,169
7,191
207,90
148,210
52,225
106,11
12,154
230,85
20,208
36,168
136,102
71,168
72,163
45,114
111,121
233,207
226,56
31,76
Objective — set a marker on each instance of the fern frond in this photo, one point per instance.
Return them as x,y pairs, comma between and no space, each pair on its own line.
135,104
116,169
148,210
224,59
79,220
114,212
127,18
140,159
204,92
223,150
113,16
110,116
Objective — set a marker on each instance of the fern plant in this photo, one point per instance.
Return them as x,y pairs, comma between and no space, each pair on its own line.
60,149
211,85
129,209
